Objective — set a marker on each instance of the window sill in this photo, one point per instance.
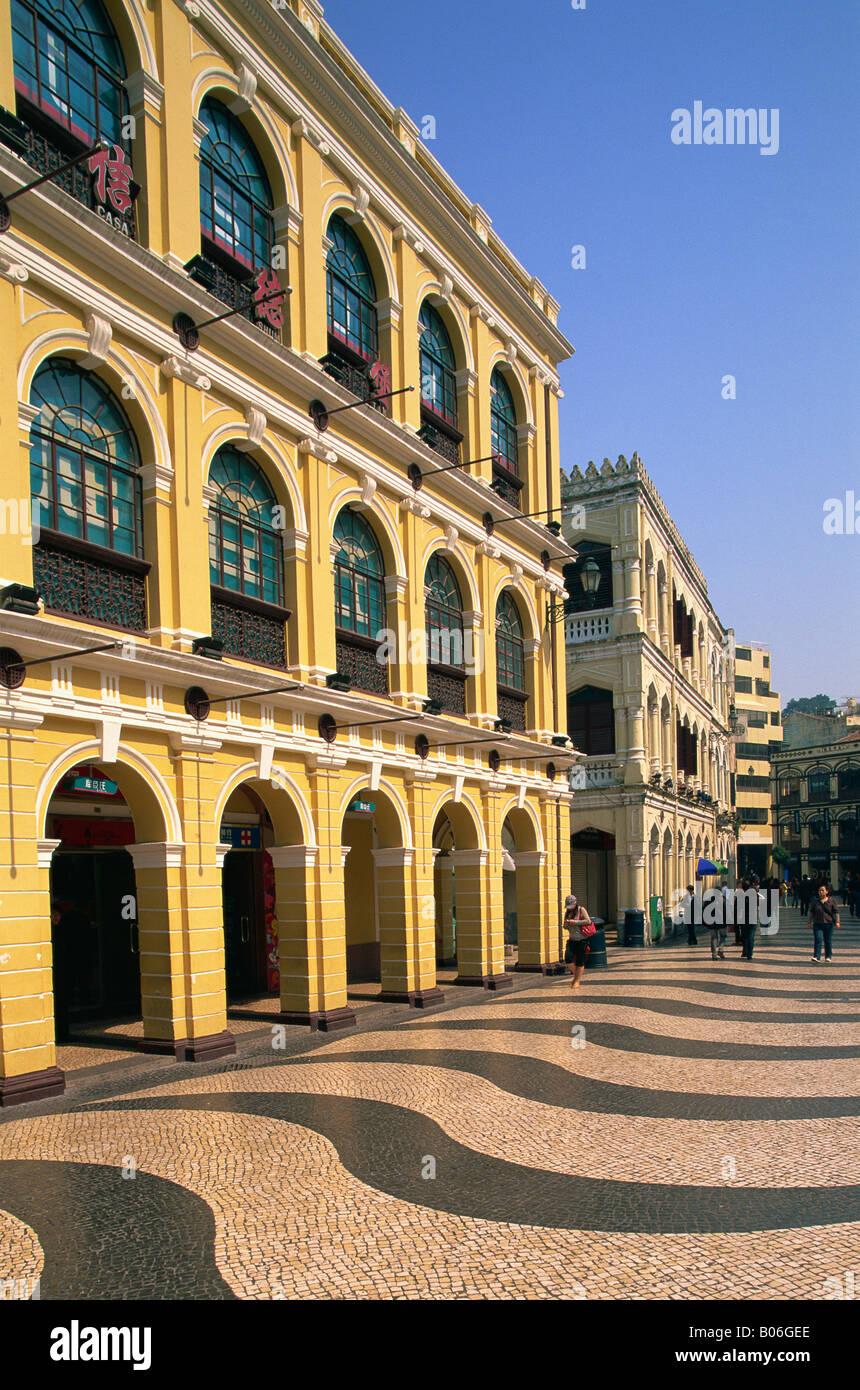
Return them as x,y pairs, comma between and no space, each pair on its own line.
100,554
234,599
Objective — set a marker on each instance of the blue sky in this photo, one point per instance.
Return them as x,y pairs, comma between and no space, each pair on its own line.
701,261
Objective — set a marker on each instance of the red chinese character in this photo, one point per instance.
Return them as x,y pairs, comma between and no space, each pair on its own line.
112,178
268,298
380,375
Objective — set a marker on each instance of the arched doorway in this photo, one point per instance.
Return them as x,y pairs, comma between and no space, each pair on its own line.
458,860
380,913
94,919
529,942
593,871
251,959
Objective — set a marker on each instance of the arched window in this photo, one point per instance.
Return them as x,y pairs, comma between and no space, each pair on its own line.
510,647
350,293
443,613
86,490
84,460
510,663
849,782
503,423
359,603
819,833
359,576
245,548
591,720
588,579
437,365
235,196
445,646
69,67
819,784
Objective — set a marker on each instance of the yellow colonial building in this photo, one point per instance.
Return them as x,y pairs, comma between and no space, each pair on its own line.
758,736
649,679
279,701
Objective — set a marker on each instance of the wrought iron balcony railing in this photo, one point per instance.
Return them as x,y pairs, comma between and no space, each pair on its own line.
356,660
249,629
511,704
80,580
505,483
447,684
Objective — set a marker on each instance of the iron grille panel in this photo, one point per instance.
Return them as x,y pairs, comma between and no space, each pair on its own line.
85,588
359,664
513,707
250,636
448,689
442,443
506,485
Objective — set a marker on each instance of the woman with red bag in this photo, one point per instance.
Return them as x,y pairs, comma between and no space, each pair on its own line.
579,928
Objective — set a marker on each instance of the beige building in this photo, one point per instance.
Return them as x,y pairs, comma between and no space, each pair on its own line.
816,801
649,683
758,736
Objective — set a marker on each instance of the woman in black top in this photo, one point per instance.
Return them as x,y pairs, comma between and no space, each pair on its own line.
823,917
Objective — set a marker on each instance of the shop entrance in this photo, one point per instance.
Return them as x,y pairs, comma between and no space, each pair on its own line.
592,855
94,920
251,952
244,924
94,937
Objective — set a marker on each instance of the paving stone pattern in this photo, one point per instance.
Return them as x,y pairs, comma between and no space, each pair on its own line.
679,1128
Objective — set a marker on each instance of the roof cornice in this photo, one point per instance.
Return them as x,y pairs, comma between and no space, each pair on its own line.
284,36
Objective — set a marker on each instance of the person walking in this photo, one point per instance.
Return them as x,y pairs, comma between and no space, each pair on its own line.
577,948
688,904
750,911
719,931
823,917
795,893
805,892
738,919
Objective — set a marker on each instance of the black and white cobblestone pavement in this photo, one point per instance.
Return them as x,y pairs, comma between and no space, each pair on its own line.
681,1128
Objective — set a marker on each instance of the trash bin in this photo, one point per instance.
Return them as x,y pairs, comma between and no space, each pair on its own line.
655,912
634,927
596,957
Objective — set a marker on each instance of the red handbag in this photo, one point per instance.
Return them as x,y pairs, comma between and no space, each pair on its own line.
587,928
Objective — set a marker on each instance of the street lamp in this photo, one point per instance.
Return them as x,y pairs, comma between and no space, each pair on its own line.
590,577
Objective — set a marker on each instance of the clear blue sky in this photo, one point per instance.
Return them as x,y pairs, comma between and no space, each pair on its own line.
701,261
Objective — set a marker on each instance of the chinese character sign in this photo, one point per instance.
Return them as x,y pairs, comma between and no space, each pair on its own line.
112,178
267,299
380,375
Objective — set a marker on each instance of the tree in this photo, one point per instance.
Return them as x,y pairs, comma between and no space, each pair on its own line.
811,704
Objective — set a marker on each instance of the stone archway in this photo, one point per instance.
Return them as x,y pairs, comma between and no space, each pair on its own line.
457,854
305,961
111,841
524,894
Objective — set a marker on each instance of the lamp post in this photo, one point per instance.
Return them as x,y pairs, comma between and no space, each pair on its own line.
590,577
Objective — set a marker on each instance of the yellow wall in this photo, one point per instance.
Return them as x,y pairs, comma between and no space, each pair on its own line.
72,287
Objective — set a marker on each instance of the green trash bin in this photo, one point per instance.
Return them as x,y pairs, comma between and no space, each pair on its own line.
655,913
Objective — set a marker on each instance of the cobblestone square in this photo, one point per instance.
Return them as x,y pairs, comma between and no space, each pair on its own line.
698,1142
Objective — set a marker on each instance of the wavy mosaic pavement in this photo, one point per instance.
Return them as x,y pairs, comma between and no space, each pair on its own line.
701,1144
